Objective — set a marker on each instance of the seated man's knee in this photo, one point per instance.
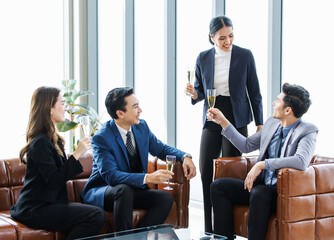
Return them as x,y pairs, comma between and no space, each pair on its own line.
167,198
258,194
123,191
218,185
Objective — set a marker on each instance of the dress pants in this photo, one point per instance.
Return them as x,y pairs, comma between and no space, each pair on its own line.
122,199
226,192
78,220
214,145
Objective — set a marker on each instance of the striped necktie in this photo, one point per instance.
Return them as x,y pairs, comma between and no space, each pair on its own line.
129,145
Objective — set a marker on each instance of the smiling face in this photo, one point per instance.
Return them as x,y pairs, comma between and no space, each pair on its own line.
58,110
132,114
223,38
280,112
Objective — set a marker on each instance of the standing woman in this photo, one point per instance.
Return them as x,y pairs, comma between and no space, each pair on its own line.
231,71
43,201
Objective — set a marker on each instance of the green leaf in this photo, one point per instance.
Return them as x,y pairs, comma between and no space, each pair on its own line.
69,83
67,97
66,125
77,94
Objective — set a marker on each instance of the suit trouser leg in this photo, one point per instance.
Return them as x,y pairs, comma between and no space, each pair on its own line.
213,145
157,203
225,192
262,203
122,199
79,220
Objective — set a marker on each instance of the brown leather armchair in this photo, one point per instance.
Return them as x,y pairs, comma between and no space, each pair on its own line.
305,200
12,174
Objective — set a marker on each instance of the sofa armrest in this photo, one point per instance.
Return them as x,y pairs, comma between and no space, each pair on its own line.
233,167
180,192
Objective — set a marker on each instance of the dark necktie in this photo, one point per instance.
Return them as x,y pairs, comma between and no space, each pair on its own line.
278,144
129,145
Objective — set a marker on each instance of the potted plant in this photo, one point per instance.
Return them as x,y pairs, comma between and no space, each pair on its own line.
75,110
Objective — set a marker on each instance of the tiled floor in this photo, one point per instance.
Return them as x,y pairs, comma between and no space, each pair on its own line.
196,217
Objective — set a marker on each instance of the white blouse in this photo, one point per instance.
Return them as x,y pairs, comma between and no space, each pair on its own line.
222,69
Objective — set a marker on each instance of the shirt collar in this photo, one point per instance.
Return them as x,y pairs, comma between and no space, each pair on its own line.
122,130
288,128
220,52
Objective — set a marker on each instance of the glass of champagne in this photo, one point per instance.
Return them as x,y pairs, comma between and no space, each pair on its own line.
170,162
191,75
211,93
85,125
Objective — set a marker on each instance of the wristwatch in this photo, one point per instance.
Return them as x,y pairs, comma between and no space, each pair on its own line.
186,155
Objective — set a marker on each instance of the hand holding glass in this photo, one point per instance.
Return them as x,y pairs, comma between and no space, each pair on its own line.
211,93
85,125
170,162
191,75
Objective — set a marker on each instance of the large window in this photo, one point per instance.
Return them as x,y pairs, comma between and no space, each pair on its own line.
192,38
31,47
308,61
110,50
149,64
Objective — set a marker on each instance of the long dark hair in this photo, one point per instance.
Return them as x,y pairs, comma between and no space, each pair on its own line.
40,122
217,23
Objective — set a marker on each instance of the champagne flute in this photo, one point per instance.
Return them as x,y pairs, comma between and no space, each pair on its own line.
211,93
191,75
170,162
85,125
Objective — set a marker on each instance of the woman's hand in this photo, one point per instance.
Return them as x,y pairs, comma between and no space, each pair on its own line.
83,146
191,90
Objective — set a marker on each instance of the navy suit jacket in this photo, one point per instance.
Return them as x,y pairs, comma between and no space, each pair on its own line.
243,85
111,164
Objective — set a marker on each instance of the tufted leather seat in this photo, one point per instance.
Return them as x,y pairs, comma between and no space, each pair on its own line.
305,200
12,174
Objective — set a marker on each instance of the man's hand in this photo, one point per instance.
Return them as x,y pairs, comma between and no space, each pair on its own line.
189,168
159,176
252,175
217,116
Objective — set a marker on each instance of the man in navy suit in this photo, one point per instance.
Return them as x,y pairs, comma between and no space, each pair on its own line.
119,177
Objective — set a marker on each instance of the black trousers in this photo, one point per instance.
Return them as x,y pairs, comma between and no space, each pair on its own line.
213,145
225,192
78,220
122,199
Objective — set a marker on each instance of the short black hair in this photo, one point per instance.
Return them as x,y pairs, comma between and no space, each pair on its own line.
217,23
296,97
115,100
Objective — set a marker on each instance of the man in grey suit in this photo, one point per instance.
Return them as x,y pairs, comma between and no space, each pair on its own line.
284,141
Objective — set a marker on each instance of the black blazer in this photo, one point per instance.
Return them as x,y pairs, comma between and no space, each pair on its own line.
243,85
45,179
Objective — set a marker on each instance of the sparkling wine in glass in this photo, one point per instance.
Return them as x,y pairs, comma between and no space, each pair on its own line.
191,75
211,94
85,125
170,162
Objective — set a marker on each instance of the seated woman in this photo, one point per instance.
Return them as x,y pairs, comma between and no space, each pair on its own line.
43,201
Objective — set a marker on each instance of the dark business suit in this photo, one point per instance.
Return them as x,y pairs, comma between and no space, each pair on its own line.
43,201
244,98
112,175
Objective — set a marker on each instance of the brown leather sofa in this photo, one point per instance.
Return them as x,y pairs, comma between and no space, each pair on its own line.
11,181
305,201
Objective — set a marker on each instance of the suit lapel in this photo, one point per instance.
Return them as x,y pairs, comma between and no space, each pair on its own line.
120,141
210,66
287,139
268,136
